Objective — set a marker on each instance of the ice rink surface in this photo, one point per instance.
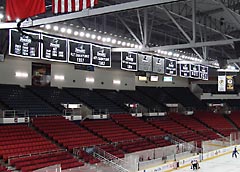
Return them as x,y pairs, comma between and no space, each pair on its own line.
221,164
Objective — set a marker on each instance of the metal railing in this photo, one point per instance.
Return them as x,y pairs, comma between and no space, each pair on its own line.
107,158
15,113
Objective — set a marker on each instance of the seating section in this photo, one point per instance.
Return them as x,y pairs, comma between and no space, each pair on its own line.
18,98
235,117
18,140
233,103
68,134
54,96
209,88
216,121
34,162
4,169
185,97
147,101
142,128
27,150
157,94
194,125
97,102
213,88
113,133
117,97
178,130
109,130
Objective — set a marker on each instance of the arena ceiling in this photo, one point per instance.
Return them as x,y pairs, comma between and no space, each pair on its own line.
204,29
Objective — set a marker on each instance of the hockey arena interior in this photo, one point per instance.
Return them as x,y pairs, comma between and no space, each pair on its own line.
119,86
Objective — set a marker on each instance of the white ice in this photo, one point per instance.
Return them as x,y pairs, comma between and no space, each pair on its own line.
221,164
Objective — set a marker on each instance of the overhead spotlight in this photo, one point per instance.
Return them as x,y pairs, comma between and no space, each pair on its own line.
123,43
69,31
75,33
93,36
42,26
104,39
132,45
108,39
114,41
119,42
170,53
135,46
176,55
63,29
128,44
140,46
165,52
55,28
88,35
82,34
48,26
99,37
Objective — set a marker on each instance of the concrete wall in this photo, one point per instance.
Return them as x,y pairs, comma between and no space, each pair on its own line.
103,77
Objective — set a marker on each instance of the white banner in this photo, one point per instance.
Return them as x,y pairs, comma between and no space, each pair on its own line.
222,83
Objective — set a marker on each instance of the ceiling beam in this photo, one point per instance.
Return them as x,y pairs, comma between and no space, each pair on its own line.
93,12
129,30
180,46
195,45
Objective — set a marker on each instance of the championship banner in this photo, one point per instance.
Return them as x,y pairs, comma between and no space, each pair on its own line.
101,56
145,62
158,65
79,52
54,48
230,83
203,72
185,70
129,61
23,45
170,67
222,83
194,71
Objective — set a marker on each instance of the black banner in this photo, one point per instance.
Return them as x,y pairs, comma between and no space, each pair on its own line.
170,67
54,48
194,71
101,56
203,72
230,83
129,61
158,65
185,70
144,62
79,52
23,45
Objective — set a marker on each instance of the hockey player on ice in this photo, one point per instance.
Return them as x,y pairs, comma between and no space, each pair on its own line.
235,152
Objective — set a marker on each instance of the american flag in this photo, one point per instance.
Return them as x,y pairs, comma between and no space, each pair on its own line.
67,6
